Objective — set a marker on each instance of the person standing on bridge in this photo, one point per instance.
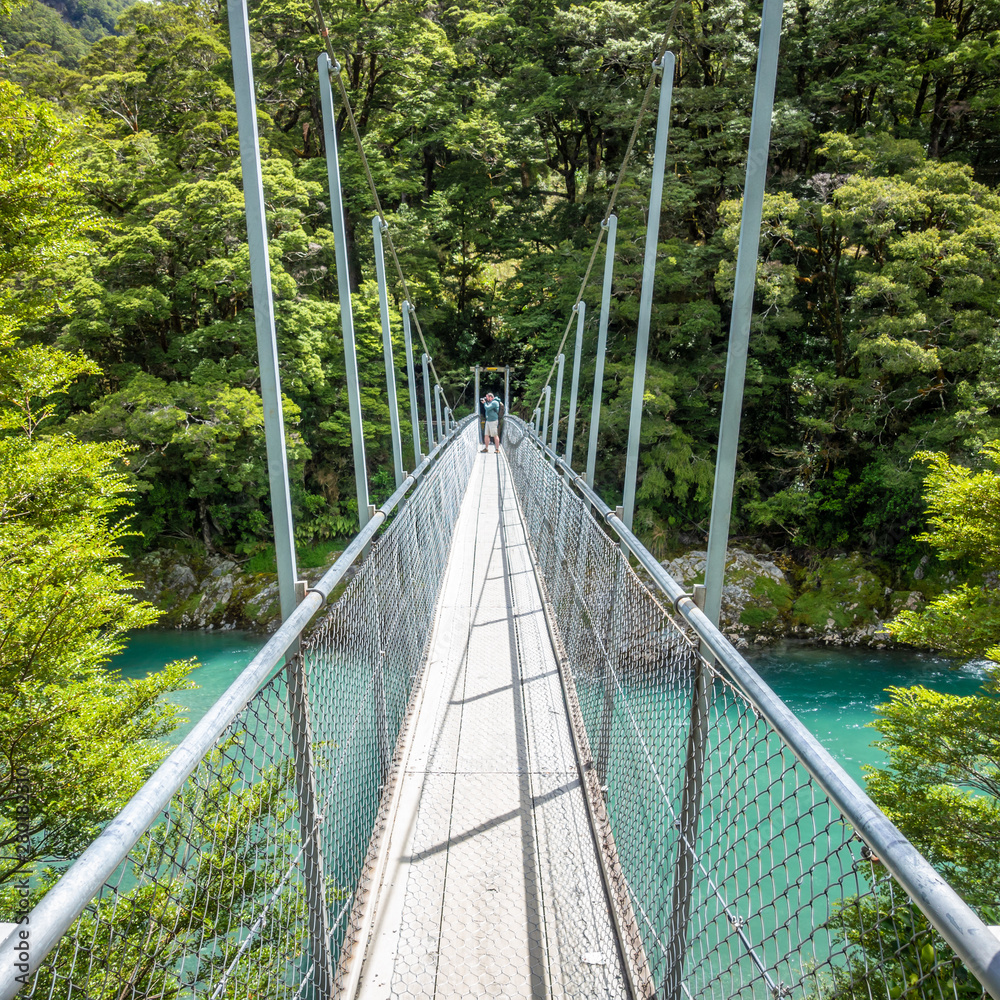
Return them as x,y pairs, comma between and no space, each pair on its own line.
491,410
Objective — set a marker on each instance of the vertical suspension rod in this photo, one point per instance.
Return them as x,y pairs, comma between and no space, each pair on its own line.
437,409
575,381
428,413
378,227
555,417
547,392
344,285
739,325
476,404
263,306
412,383
666,65
602,347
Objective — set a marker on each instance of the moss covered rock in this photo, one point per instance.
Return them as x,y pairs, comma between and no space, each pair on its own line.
841,599
756,596
210,591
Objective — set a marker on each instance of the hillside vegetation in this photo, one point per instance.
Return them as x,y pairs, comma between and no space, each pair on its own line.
495,132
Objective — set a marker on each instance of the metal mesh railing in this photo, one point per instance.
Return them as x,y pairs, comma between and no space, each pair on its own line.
734,872
362,664
244,883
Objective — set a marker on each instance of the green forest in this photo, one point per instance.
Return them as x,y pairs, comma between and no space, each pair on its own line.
130,415
495,133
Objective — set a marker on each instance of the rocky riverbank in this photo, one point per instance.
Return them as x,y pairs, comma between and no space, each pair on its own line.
210,591
841,600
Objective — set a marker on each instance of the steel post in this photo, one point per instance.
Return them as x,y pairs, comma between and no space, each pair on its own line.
687,831
310,818
545,420
480,430
609,681
575,382
427,402
602,347
536,416
381,718
378,228
648,277
263,306
555,417
412,383
437,410
344,286
739,325
506,389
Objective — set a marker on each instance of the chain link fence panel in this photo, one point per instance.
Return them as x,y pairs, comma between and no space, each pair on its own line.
733,873
244,885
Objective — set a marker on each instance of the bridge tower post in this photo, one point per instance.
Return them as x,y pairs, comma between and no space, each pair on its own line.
412,382
379,227
666,65
581,313
602,346
343,284
555,417
739,324
428,413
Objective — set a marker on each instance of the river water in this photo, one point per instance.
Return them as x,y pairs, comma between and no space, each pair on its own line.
833,691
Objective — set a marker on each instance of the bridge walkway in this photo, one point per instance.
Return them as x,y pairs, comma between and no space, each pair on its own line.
490,883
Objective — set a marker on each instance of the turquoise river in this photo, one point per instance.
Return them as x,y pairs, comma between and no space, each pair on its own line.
834,691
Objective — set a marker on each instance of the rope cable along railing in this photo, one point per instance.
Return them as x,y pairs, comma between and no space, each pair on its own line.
335,63
643,108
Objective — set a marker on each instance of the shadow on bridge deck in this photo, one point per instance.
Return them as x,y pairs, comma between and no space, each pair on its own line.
489,882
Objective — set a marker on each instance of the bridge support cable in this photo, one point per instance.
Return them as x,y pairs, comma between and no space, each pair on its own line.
665,66
753,863
742,311
622,171
349,111
326,68
379,226
263,304
611,225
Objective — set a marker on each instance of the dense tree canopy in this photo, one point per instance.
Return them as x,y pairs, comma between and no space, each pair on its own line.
70,730
495,132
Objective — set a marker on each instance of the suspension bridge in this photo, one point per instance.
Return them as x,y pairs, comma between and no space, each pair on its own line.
513,758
